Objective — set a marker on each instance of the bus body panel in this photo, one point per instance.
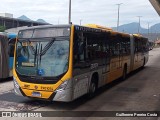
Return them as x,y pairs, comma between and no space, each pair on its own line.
4,58
46,91
132,53
80,84
27,89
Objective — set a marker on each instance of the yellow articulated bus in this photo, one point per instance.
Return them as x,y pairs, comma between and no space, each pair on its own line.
64,62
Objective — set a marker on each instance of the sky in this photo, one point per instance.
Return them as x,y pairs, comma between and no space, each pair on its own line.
102,12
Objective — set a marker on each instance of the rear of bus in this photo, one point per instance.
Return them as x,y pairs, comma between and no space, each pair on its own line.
4,59
11,46
43,63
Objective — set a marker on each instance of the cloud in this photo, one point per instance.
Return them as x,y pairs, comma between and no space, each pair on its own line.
102,12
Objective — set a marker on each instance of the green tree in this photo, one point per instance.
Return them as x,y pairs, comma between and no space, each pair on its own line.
2,28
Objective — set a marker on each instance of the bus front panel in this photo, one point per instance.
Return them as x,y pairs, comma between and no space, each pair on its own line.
42,65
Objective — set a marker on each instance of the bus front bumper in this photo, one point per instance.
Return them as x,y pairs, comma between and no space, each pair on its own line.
58,95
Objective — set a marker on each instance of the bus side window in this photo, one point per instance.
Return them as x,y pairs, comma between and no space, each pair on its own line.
79,48
114,47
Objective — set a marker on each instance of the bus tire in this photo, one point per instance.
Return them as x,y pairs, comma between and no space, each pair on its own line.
93,87
144,63
124,75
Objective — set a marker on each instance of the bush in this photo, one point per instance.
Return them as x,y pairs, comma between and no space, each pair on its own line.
2,28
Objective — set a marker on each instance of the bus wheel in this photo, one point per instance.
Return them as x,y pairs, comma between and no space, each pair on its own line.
92,88
124,76
143,63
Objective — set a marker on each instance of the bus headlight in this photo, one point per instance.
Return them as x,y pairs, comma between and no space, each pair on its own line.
15,83
63,86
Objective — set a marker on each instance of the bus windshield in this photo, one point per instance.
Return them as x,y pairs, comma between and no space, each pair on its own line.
42,56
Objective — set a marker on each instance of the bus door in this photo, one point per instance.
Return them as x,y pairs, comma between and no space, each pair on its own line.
125,52
143,50
132,52
120,39
136,55
106,60
115,62
103,56
81,65
106,53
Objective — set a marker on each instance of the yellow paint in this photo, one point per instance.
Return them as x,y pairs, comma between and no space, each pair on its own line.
98,27
113,75
138,35
116,68
68,75
44,94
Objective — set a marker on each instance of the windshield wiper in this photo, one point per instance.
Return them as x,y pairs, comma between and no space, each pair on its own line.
43,52
35,55
40,56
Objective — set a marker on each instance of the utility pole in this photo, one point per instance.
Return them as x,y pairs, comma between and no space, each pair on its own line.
148,29
58,21
118,15
139,24
69,17
80,22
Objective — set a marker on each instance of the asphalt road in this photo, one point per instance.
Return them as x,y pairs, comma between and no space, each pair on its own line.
139,92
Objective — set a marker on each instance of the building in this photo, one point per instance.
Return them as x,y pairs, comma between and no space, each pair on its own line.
156,5
6,15
7,20
157,43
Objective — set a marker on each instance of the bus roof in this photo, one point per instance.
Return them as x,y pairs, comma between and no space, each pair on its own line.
99,27
139,36
12,35
92,26
106,29
46,26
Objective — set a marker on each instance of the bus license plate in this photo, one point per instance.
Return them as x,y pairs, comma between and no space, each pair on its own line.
36,94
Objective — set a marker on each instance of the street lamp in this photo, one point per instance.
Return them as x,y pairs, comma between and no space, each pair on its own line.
139,24
69,18
148,29
80,22
58,21
118,14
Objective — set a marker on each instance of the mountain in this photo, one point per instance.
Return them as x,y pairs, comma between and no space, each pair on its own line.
23,17
131,28
41,20
155,28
